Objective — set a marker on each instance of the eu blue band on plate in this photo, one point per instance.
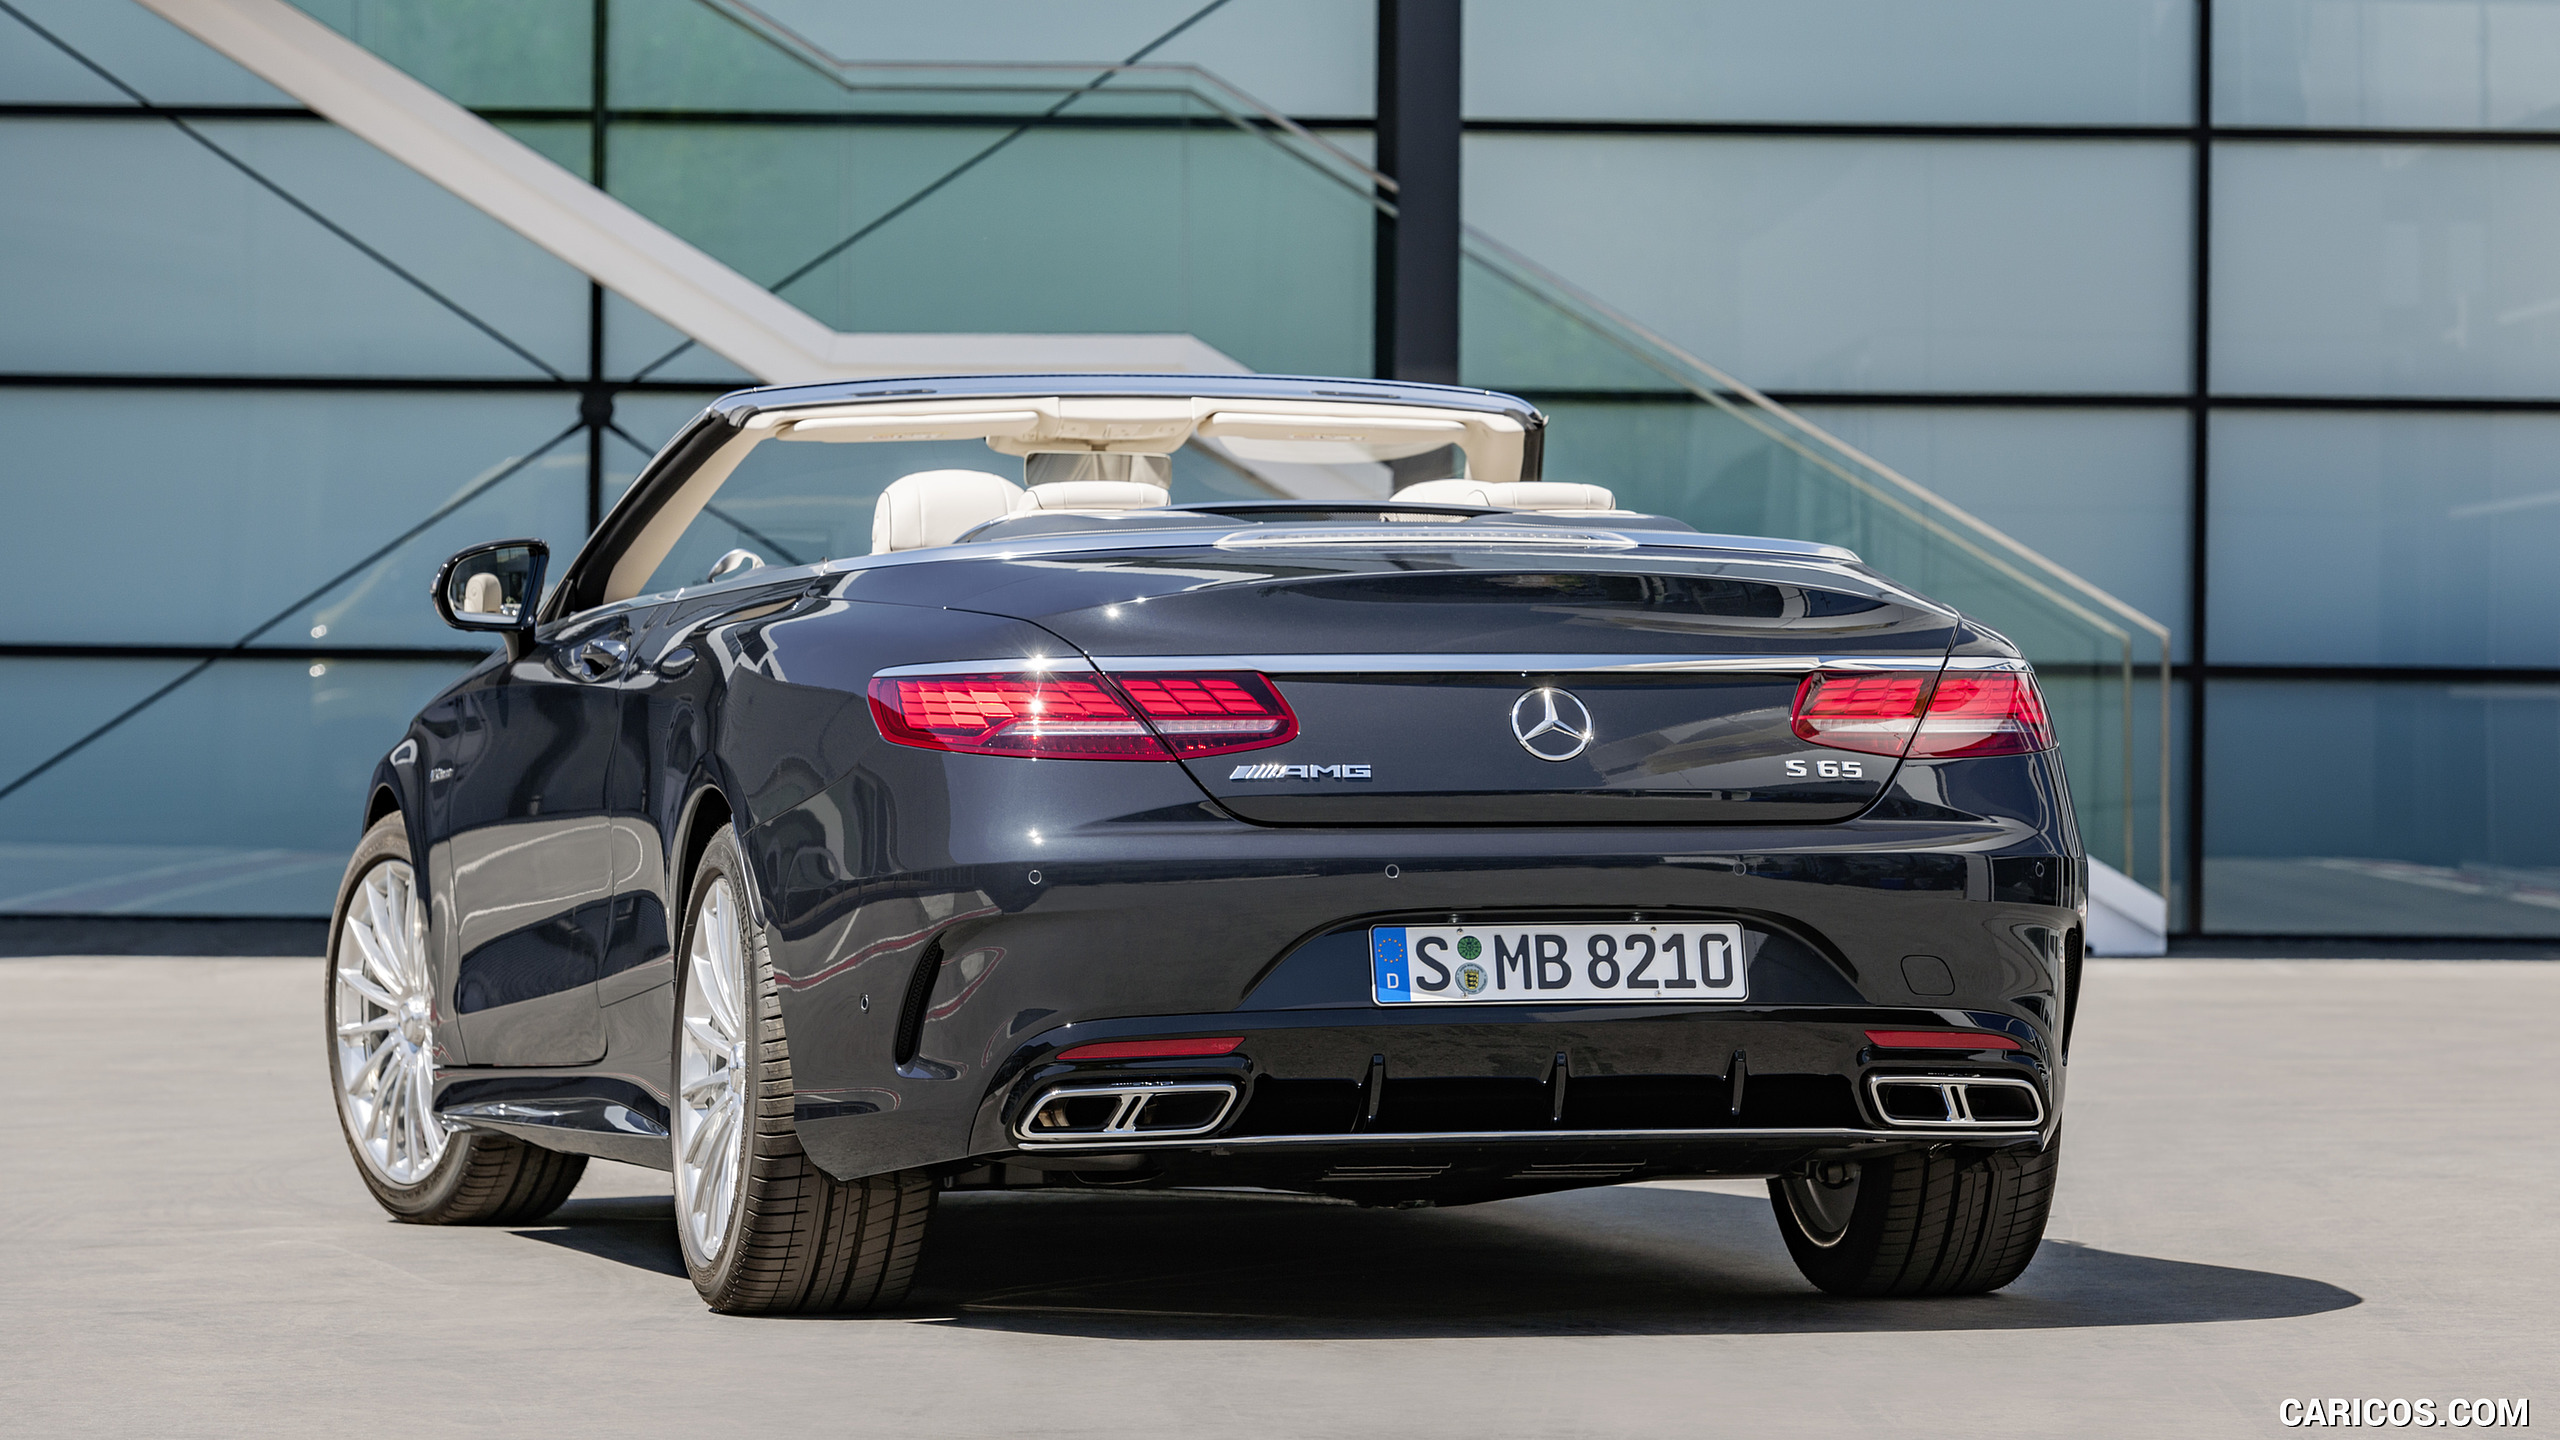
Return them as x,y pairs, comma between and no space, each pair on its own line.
1387,965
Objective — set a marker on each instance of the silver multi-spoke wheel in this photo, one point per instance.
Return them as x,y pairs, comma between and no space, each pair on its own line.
711,1075
763,1229
384,1011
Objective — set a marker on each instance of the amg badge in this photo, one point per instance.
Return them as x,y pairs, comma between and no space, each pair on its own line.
1299,772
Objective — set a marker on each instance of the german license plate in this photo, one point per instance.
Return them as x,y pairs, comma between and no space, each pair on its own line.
1542,964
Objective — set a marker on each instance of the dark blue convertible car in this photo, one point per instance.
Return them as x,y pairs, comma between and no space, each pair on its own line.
899,793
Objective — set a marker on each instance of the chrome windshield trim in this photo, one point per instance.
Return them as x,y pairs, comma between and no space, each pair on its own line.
1421,537
1751,549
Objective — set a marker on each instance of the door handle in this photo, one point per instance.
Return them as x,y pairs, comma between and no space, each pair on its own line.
601,658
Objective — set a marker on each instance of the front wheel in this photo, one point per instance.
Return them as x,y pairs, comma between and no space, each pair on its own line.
1918,1223
379,1000
764,1231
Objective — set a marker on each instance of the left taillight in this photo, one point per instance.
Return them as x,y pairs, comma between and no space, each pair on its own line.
1072,716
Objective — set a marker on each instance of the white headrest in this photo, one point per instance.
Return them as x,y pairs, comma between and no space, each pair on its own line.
936,507
1093,495
1541,495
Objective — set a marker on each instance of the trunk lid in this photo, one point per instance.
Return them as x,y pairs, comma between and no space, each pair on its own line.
1587,690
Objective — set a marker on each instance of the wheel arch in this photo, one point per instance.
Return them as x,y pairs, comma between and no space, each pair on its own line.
705,813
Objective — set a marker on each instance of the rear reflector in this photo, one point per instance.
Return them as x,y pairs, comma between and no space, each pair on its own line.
1939,1040
1954,714
1068,715
1151,1049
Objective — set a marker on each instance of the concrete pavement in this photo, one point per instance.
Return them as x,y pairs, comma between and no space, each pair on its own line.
2283,1178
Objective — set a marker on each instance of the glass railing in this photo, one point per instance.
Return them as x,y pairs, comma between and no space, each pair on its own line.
1678,436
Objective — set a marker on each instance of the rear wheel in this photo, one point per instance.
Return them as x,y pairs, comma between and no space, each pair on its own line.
379,1000
1918,1223
763,1229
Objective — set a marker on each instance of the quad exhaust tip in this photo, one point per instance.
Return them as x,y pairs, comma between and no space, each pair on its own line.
1142,1110
1944,1100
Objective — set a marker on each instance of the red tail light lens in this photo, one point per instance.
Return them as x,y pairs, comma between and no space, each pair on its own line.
1957,713
1873,713
1063,716
1984,712
1082,716
1212,714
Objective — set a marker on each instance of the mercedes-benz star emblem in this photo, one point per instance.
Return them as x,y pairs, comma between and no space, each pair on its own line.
1551,724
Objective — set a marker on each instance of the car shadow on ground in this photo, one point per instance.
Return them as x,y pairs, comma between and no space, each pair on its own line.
1622,1260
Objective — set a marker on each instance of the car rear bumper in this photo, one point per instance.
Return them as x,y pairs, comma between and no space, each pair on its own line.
1477,1102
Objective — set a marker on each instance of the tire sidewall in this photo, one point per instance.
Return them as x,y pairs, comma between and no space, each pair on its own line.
387,841
1839,1262
720,861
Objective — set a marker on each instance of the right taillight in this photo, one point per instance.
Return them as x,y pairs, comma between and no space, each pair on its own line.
1955,713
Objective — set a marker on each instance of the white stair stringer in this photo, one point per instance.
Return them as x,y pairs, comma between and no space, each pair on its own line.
613,244
2125,917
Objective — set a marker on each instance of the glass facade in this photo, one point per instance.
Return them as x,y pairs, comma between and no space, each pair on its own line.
2242,321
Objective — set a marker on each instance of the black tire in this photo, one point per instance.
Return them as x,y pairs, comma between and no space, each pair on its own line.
798,1240
1924,1222
482,1178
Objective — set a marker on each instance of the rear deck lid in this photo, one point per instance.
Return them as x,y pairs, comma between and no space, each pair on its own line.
1599,690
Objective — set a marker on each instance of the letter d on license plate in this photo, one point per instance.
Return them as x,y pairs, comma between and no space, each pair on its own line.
1535,964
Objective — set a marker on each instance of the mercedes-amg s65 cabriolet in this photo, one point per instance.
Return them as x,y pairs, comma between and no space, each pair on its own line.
900,792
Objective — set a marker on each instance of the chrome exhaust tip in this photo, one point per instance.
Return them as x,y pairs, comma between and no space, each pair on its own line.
1921,1101
1138,1110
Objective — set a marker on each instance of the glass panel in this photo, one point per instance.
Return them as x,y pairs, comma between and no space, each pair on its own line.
1864,264
2386,270
635,340
526,53
1202,229
565,143
1956,61
2382,809
169,66
2385,539
1305,57
1720,455
186,265
188,517
2419,64
2101,492
239,794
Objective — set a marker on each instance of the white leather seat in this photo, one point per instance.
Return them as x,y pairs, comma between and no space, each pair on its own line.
1545,496
1092,495
484,594
937,507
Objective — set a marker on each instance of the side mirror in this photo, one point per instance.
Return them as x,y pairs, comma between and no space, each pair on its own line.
497,586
